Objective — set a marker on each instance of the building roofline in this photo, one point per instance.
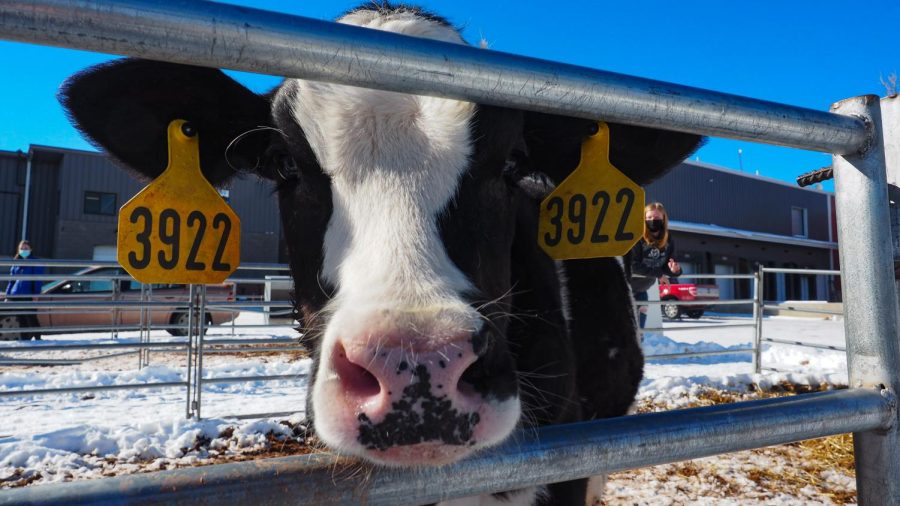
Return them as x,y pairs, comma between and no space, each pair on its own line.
736,233
766,179
55,149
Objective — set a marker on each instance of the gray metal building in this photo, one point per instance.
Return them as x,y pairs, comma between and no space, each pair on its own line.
728,222
73,200
723,221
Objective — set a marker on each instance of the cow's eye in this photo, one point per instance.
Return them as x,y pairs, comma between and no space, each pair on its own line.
519,172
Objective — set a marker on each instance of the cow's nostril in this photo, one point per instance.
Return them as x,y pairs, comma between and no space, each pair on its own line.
355,379
474,379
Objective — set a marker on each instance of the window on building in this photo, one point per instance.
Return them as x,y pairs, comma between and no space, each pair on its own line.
100,203
799,222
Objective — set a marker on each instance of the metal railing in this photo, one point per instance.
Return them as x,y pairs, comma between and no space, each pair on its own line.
759,305
218,35
53,303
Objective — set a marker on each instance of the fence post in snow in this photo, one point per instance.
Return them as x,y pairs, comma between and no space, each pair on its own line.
758,312
870,301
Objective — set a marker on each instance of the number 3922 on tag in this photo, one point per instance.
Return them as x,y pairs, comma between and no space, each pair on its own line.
595,212
178,229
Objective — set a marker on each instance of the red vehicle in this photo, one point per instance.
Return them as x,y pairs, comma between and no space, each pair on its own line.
675,291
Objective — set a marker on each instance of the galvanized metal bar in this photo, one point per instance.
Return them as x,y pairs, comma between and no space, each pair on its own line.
251,350
201,330
798,309
68,390
870,298
757,320
664,356
251,416
546,455
190,352
804,344
242,379
822,272
219,35
693,302
715,276
45,262
100,346
273,340
700,327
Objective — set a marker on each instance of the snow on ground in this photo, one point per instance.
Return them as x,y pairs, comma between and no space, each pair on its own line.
49,438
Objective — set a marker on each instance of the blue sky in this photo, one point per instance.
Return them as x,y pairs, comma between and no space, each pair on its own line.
806,53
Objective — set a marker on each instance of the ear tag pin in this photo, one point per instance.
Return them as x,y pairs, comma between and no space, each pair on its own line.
597,211
178,229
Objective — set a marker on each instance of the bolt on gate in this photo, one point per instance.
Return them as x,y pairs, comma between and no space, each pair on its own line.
861,132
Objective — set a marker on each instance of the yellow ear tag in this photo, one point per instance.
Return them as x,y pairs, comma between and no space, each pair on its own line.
595,212
178,229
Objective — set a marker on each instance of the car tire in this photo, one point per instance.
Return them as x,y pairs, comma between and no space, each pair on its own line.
181,319
695,313
8,322
671,310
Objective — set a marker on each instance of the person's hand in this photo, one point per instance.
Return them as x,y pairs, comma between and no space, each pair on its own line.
673,265
664,280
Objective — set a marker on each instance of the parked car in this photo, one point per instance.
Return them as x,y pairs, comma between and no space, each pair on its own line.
103,290
675,291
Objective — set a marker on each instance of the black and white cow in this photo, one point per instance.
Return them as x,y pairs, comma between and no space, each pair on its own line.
438,325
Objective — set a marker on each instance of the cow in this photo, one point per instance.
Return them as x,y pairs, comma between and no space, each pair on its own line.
437,324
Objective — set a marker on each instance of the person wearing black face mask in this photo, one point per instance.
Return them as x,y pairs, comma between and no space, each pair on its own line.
651,258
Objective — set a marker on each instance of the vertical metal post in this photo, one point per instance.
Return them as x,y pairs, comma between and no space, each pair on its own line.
140,353
27,192
116,291
758,312
201,329
190,354
870,300
149,323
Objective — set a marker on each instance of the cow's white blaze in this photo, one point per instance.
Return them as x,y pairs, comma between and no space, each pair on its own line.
395,162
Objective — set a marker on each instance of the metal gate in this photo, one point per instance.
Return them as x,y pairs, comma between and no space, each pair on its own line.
861,132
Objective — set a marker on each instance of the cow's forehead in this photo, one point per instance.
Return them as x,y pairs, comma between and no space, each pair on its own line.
405,20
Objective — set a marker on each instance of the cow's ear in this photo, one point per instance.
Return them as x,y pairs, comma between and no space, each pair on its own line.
124,108
644,154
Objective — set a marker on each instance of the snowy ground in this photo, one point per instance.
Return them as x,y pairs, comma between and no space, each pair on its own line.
50,438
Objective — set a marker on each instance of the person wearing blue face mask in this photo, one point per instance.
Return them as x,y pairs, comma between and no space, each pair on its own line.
24,289
651,258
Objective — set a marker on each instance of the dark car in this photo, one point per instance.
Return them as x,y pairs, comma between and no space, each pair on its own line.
106,290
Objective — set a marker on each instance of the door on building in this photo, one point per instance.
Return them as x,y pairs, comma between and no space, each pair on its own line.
726,285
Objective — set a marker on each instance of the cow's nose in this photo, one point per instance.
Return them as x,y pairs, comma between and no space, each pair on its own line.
381,376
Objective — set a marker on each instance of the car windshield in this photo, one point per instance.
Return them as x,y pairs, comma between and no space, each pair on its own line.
53,284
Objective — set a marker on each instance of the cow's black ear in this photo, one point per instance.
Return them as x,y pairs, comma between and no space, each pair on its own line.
124,108
644,154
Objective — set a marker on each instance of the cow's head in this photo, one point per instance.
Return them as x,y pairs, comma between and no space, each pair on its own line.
401,215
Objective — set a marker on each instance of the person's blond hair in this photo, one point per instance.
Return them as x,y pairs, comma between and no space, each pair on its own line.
661,241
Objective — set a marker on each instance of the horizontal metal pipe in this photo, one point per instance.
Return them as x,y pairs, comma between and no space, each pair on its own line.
88,304
38,361
803,310
241,379
250,416
272,340
75,263
64,347
68,390
253,350
547,455
699,327
219,35
804,344
716,276
693,302
697,354
778,270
